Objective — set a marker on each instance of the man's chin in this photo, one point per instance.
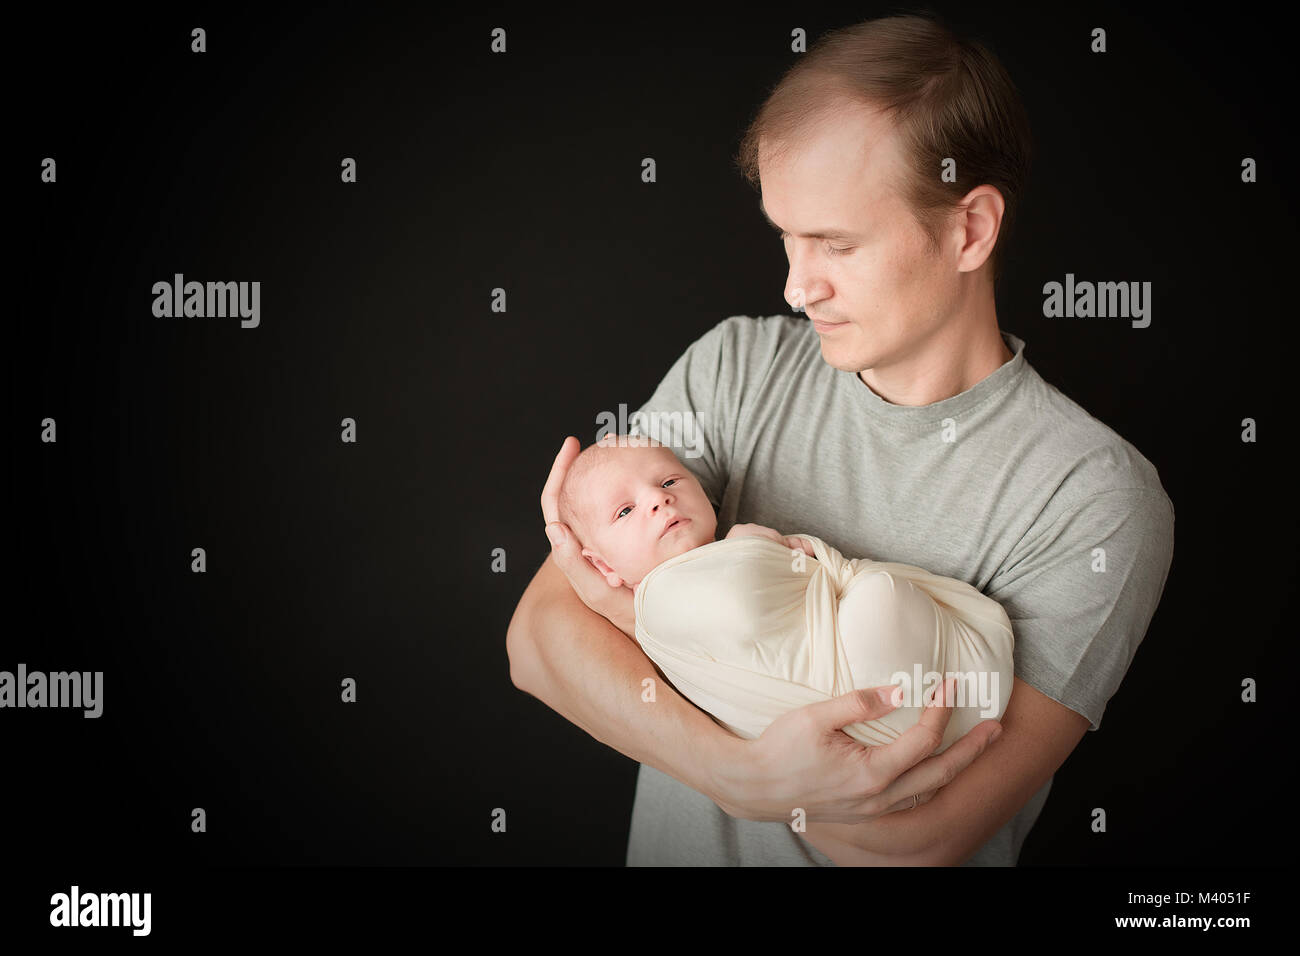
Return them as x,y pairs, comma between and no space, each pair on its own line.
837,356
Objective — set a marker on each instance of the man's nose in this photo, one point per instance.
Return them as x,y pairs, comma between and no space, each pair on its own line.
801,293
802,287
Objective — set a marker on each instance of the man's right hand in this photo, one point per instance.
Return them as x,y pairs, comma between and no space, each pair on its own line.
803,759
614,604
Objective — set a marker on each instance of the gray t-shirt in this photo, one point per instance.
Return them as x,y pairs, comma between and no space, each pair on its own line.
1009,486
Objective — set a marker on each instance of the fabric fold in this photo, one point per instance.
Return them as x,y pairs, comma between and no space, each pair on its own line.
748,630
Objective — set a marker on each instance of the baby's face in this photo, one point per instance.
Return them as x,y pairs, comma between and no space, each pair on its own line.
641,508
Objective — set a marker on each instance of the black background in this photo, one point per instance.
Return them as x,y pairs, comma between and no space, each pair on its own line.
522,171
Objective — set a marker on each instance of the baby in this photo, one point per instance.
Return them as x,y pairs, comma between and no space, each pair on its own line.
760,623
633,506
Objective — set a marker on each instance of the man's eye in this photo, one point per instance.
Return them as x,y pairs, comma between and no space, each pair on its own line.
833,250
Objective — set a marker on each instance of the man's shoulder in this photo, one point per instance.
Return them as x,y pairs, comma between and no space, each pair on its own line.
773,325
754,346
755,331
1087,456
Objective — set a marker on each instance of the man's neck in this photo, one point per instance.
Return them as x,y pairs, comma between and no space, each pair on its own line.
947,364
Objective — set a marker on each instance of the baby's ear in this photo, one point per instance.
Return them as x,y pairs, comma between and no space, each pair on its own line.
609,574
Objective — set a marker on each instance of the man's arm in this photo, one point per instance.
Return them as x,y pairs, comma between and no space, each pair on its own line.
1038,734
583,667
1077,623
570,657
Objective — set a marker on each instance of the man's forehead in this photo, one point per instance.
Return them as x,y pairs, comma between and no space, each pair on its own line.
851,162
847,133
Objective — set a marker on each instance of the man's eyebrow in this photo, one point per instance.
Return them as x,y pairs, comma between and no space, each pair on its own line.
821,234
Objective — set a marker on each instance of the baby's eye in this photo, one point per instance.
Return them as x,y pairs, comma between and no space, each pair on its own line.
669,481
623,512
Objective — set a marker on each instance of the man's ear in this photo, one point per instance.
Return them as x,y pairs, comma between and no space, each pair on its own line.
597,562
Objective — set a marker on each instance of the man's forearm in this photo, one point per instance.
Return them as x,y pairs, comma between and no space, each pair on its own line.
1038,735
933,834
897,839
584,668
902,838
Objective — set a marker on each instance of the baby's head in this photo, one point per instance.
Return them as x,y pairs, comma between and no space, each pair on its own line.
632,505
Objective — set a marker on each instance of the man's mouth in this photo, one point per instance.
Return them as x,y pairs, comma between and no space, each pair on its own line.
826,326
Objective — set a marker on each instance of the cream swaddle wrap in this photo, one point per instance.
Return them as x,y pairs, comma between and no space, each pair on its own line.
748,631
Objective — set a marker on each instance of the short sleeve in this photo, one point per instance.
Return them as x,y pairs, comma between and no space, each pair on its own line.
686,414
1081,592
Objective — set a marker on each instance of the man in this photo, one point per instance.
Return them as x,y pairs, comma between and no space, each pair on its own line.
899,425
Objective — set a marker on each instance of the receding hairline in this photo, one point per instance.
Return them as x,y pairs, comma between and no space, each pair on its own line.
782,144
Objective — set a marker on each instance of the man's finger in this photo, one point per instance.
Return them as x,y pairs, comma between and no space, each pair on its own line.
907,803
856,706
559,468
566,553
928,776
918,741
564,547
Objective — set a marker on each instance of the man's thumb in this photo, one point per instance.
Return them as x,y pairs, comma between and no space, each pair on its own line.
859,705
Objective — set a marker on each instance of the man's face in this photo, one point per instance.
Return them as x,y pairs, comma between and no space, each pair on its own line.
879,288
634,496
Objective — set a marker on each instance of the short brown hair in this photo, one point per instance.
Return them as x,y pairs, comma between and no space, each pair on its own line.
948,96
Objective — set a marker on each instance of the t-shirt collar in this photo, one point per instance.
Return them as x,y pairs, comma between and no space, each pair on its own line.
1002,378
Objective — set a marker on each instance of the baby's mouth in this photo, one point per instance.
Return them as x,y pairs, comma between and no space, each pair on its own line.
676,523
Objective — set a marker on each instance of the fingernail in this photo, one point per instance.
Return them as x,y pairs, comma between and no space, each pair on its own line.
995,735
